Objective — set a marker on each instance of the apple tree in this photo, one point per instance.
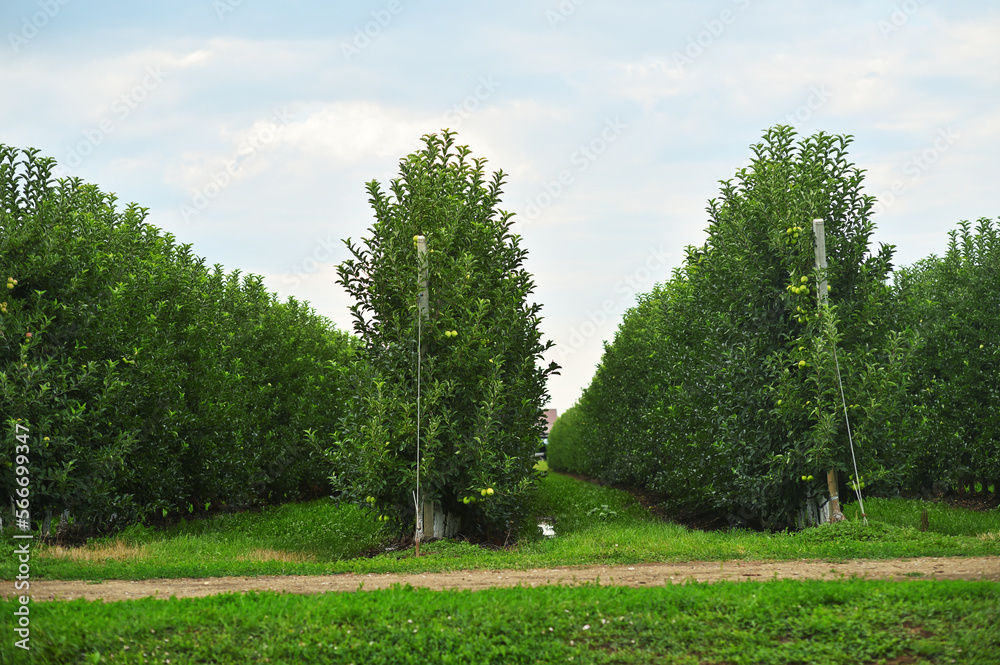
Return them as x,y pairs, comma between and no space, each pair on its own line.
720,390
483,384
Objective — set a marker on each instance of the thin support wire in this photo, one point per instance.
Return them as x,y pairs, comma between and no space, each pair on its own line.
416,494
850,438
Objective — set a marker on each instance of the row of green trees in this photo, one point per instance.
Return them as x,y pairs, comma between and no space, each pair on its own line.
951,301
149,382
153,384
720,388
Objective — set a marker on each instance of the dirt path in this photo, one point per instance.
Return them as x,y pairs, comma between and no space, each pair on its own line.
648,574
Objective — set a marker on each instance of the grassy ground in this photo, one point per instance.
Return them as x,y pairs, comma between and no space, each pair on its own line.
593,524
846,621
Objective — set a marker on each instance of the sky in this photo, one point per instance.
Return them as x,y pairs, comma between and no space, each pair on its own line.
249,129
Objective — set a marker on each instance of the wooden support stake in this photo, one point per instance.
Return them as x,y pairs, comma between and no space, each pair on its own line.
423,313
819,232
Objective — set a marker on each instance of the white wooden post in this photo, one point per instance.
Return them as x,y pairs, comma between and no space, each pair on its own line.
423,313
430,517
819,232
423,296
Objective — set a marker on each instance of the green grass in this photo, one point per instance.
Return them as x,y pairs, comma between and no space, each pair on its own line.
849,621
291,539
594,525
844,621
941,517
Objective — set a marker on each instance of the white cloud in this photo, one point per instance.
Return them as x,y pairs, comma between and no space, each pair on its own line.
357,131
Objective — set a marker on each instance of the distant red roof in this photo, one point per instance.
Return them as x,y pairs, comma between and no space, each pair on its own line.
549,416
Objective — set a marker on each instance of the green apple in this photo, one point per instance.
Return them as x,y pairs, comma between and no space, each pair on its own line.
802,363
489,490
483,492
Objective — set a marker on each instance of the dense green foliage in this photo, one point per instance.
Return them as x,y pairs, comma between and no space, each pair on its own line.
954,302
573,442
719,390
482,383
849,621
149,383
569,453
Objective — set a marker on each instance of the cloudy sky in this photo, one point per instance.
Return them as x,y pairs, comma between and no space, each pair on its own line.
250,128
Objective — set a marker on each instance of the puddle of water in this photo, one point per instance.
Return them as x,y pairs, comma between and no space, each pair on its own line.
547,529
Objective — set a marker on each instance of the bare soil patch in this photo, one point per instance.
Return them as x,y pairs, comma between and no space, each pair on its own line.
638,575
